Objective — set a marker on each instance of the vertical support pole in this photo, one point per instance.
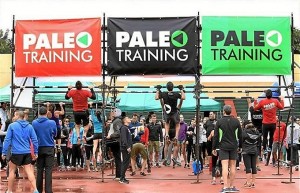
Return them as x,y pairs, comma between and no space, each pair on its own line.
197,97
33,96
103,96
293,99
12,67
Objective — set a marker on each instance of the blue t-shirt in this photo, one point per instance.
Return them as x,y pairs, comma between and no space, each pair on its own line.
98,126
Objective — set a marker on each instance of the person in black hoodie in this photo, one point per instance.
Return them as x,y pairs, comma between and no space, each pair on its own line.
125,146
250,140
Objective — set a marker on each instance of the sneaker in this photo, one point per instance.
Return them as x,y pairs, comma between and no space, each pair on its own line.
149,170
116,179
297,168
247,185
221,181
224,190
188,166
233,189
258,168
213,182
157,165
133,173
165,162
143,174
185,165
174,162
252,185
124,181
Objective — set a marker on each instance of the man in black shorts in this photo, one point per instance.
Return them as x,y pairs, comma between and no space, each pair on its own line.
80,104
19,136
227,138
169,104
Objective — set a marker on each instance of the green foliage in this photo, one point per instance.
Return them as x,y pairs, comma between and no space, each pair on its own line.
5,42
296,40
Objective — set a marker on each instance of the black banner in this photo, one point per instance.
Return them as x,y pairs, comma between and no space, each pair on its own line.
152,46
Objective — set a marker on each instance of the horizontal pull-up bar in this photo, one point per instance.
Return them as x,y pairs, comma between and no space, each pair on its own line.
203,86
125,87
53,91
146,86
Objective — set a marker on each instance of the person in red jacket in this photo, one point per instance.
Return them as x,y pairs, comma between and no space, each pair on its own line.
145,136
269,108
278,137
80,104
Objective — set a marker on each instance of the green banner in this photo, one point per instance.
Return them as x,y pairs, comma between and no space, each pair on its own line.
246,46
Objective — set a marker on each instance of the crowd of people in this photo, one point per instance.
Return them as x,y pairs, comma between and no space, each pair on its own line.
141,142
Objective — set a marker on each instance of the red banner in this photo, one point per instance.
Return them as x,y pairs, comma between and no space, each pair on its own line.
58,48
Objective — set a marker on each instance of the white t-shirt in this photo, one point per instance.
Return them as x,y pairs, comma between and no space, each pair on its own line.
3,116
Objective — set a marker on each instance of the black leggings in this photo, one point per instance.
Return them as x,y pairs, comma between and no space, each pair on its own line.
88,151
200,155
250,163
77,155
215,163
268,128
190,148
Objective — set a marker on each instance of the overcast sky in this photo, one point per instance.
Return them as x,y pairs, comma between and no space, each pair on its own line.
60,9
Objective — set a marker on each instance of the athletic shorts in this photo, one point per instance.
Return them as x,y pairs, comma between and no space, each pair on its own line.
181,141
21,159
153,145
276,146
137,149
97,136
58,134
172,117
81,117
228,155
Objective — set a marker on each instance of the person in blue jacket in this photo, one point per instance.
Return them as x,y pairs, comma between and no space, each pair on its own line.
20,135
46,131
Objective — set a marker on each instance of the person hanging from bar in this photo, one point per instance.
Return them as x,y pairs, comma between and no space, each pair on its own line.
269,108
171,111
170,108
80,105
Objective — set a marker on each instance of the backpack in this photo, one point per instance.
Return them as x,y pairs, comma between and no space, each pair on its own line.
196,167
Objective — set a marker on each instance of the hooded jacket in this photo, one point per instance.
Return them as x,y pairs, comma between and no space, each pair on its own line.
45,130
250,141
19,135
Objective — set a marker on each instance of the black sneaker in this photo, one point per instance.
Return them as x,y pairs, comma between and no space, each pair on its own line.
125,181
233,189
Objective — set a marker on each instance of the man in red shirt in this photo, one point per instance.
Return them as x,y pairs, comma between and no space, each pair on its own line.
269,108
80,104
279,135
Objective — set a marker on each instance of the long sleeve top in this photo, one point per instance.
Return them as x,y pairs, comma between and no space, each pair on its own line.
125,138
228,134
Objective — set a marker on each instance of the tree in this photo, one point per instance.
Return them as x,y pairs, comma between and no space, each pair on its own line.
296,40
5,42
